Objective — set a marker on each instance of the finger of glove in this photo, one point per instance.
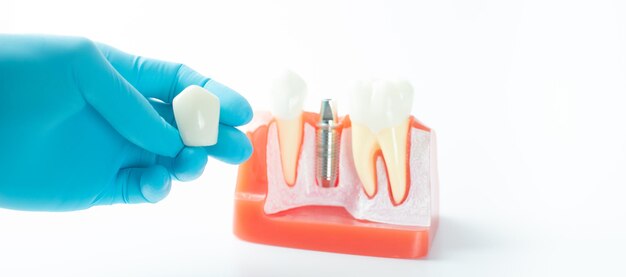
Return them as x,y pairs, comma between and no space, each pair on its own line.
164,80
138,185
164,110
188,165
127,110
233,146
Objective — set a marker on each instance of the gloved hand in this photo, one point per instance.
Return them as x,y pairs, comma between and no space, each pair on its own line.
80,126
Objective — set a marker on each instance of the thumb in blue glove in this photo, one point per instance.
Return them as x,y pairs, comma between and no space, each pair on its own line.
85,124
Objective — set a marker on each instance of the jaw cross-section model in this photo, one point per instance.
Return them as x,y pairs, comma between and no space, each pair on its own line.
365,183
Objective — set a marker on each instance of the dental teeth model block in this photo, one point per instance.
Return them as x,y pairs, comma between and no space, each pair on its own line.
197,114
384,195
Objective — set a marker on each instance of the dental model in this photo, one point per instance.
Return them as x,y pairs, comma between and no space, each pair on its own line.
197,114
365,183
288,93
380,122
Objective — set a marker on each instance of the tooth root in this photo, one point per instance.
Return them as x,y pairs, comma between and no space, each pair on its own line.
288,93
289,141
364,146
393,143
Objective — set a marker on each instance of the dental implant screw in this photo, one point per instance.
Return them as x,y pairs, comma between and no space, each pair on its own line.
327,143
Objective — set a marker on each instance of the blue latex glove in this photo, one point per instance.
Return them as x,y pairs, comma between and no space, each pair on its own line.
79,125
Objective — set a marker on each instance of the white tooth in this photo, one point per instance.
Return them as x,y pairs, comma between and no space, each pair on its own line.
197,114
288,93
387,120
395,100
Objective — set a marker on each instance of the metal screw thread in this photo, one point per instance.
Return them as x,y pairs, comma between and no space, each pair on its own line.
327,142
327,162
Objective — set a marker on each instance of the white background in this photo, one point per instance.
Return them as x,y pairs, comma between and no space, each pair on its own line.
527,98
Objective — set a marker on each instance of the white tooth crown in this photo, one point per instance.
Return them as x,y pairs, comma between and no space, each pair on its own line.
381,104
288,93
197,114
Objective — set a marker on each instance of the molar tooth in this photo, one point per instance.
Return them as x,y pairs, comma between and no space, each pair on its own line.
380,115
197,115
288,93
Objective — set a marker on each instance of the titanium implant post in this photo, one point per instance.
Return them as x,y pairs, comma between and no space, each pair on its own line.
327,155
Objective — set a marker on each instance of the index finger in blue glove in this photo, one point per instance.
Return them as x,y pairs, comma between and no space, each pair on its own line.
164,80
233,147
128,112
